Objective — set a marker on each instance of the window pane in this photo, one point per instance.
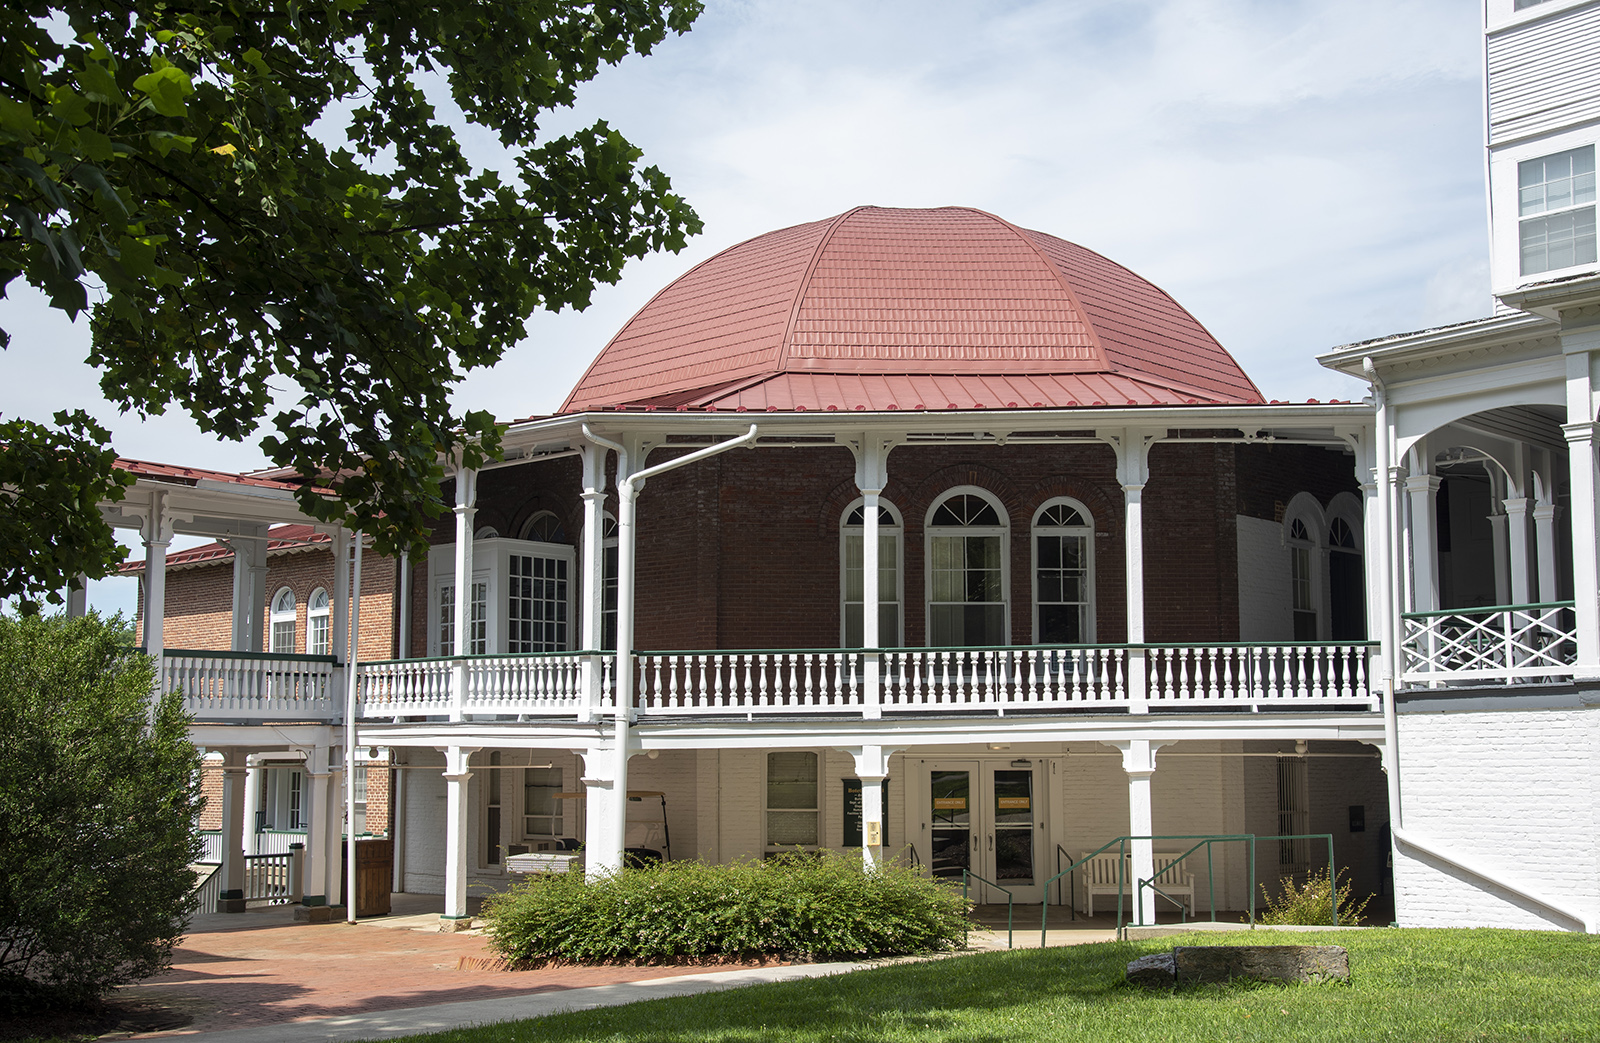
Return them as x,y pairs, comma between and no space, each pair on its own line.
1060,624
792,780
1558,241
789,828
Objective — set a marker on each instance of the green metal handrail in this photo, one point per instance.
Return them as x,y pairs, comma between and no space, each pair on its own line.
1205,840
967,876
1488,610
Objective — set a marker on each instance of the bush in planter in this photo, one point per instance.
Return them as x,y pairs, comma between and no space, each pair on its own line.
819,907
98,797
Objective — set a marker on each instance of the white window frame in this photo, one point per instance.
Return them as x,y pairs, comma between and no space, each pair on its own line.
282,614
1305,509
1505,211
1086,531
768,847
1575,207
319,617
931,531
491,566
898,531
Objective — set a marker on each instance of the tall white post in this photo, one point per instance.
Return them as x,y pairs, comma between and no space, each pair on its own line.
1585,528
314,808
1544,527
1139,762
254,776
466,509
457,774
1133,472
231,899
256,594
352,677
339,610
1424,491
157,531
78,597
593,582
609,860
1499,537
1517,509
871,476
332,812
872,768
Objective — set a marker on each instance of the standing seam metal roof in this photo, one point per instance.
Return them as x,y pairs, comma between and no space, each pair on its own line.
878,308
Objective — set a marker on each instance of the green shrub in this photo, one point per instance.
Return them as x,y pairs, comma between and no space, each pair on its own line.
98,798
1311,903
819,907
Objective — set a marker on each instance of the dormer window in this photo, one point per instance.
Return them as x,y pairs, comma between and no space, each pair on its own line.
1555,201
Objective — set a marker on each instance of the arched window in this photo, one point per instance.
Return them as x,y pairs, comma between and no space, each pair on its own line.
1063,574
544,527
968,533
319,626
1347,592
852,577
1302,584
486,532
280,638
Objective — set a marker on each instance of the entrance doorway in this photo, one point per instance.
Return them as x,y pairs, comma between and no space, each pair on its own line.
988,817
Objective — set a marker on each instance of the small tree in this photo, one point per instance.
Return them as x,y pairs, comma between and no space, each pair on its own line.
98,798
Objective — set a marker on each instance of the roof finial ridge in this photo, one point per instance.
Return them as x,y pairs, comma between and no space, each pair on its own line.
805,284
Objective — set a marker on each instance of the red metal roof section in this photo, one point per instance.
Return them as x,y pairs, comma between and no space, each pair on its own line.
279,538
881,308
179,475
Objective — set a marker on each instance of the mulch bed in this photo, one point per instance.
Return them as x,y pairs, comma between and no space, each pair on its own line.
115,1017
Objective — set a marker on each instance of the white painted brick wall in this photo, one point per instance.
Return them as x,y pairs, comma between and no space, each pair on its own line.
1265,611
1511,791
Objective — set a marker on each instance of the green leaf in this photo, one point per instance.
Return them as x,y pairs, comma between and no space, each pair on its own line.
98,83
166,88
18,118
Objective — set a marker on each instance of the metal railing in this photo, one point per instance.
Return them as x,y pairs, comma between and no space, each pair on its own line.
967,876
1494,643
1201,840
225,686
207,888
269,878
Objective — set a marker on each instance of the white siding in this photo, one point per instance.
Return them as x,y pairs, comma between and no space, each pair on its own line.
1545,74
1265,610
1514,792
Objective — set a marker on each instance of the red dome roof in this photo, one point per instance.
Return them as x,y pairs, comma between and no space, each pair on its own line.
880,308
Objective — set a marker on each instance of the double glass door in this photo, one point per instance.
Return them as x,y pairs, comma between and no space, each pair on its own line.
989,819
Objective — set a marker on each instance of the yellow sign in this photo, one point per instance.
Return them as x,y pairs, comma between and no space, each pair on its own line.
949,803
1017,803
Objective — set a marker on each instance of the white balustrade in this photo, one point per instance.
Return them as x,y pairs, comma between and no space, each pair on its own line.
1001,679
1514,643
711,683
1260,676
542,684
228,686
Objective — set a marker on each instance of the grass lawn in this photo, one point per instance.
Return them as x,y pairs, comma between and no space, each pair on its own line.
1405,985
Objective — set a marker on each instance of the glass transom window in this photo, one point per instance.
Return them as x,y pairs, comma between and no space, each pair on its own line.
966,573
1555,200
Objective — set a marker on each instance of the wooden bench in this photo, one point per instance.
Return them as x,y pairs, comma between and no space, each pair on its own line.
539,863
1099,876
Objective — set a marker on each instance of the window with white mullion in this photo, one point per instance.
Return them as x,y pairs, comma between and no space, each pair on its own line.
1063,574
967,589
792,805
1555,204
536,608
319,627
1302,588
852,557
281,632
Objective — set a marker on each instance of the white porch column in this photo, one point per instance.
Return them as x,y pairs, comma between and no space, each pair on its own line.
457,774
315,810
157,531
1133,472
466,509
872,459
1423,490
78,597
249,589
1499,538
1544,530
1139,762
602,844
593,582
1585,529
872,768
231,898
399,813
1517,550
254,775
332,812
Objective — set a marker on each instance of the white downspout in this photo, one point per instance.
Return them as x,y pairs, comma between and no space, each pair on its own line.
1587,925
628,488
1385,570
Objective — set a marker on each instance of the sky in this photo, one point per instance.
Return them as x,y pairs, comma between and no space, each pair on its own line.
1299,174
